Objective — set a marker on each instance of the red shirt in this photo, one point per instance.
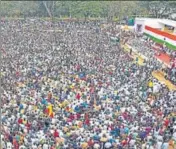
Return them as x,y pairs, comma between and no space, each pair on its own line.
166,122
72,117
90,143
56,134
78,96
124,142
78,116
16,146
20,121
46,111
28,125
87,122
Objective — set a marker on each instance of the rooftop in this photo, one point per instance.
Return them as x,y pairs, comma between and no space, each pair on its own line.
168,22
163,21
146,19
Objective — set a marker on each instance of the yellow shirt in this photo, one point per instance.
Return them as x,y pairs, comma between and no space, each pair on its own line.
150,84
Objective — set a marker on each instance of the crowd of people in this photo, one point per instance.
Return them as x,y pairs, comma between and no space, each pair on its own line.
66,86
148,51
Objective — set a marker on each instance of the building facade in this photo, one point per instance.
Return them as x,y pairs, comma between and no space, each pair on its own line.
159,30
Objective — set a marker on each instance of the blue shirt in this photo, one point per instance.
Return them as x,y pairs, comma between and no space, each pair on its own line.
21,106
77,109
126,130
44,101
96,137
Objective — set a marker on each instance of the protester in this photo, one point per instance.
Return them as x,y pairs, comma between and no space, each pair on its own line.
71,88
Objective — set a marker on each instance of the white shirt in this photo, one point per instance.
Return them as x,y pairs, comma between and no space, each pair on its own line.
158,145
108,145
34,147
9,145
45,146
132,142
96,146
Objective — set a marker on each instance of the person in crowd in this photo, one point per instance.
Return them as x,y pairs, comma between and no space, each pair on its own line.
72,89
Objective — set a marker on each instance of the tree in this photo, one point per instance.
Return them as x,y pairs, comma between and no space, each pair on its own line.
160,9
49,6
46,8
86,9
123,9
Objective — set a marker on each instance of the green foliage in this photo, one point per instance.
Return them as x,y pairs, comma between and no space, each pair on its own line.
113,10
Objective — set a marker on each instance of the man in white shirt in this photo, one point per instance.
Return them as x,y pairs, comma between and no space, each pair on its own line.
45,146
158,145
108,145
96,146
132,142
9,145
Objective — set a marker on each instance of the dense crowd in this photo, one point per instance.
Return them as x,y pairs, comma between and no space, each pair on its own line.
71,88
145,47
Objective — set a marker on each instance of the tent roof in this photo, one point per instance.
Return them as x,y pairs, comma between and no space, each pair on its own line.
163,21
168,22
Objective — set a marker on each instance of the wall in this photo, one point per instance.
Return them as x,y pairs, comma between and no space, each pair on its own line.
154,23
150,22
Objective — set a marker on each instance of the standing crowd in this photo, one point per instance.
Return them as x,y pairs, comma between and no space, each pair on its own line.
148,51
66,86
